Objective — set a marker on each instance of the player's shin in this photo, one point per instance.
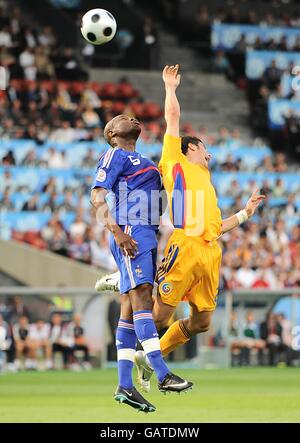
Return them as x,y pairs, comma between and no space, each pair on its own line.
126,344
176,335
147,334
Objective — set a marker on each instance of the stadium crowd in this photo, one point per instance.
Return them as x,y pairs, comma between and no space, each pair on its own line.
265,252
71,111
34,345
34,54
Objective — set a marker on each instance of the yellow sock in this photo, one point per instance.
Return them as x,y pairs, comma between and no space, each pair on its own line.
175,336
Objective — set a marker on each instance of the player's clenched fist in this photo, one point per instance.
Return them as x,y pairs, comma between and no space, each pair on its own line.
253,202
171,76
126,243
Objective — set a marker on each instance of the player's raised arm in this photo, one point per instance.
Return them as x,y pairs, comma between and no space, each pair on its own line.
171,79
240,217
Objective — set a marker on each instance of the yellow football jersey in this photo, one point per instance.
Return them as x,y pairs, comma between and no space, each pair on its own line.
191,196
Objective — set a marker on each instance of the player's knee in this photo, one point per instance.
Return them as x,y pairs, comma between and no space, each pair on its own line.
160,322
197,327
141,297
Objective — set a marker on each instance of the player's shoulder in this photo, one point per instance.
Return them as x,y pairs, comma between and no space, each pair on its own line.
110,156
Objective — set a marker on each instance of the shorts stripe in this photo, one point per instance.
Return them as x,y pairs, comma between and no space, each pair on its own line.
127,260
168,262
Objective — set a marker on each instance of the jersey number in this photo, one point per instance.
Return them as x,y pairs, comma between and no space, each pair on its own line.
134,161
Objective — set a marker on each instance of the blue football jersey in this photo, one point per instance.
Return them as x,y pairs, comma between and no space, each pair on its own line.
135,183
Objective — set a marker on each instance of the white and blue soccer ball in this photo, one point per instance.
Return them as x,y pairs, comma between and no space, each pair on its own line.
98,26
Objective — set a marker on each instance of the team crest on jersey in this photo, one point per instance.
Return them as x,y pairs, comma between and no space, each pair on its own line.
101,176
138,271
166,288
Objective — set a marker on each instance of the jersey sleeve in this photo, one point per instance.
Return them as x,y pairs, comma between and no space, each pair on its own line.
109,168
171,151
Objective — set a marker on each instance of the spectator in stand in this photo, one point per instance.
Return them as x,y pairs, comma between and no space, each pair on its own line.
27,63
22,342
15,309
55,237
56,338
44,67
79,249
38,336
55,159
89,159
5,201
244,337
287,339
100,251
90,98
5,37
223,136
9,159
221,64
29,38
69,203
90,118
271,333
75,332
278,190
272,75
78,227
69,67
30,159
241,46
31,204
46,38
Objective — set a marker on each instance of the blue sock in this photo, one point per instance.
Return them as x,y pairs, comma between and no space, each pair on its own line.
146,333
126,344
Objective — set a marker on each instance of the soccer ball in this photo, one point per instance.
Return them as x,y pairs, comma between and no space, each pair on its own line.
98,26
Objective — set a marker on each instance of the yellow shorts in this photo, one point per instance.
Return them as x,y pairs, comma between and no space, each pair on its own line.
190,270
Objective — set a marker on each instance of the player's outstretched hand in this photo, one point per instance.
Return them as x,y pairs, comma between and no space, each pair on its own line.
126,243
170,76
253,202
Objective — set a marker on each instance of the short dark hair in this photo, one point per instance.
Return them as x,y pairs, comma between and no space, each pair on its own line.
185,143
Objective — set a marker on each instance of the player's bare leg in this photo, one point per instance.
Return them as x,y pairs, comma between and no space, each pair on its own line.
179,333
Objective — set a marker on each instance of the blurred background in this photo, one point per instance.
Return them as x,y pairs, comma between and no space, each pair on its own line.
240,62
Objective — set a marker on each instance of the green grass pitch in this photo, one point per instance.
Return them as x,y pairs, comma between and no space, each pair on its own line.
232,395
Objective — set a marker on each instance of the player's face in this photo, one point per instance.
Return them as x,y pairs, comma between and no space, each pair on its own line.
203,155
126,127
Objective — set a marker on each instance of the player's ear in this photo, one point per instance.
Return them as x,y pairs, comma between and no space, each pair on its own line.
110,135
192,147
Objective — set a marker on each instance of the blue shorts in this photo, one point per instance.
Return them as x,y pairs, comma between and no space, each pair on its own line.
142,268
